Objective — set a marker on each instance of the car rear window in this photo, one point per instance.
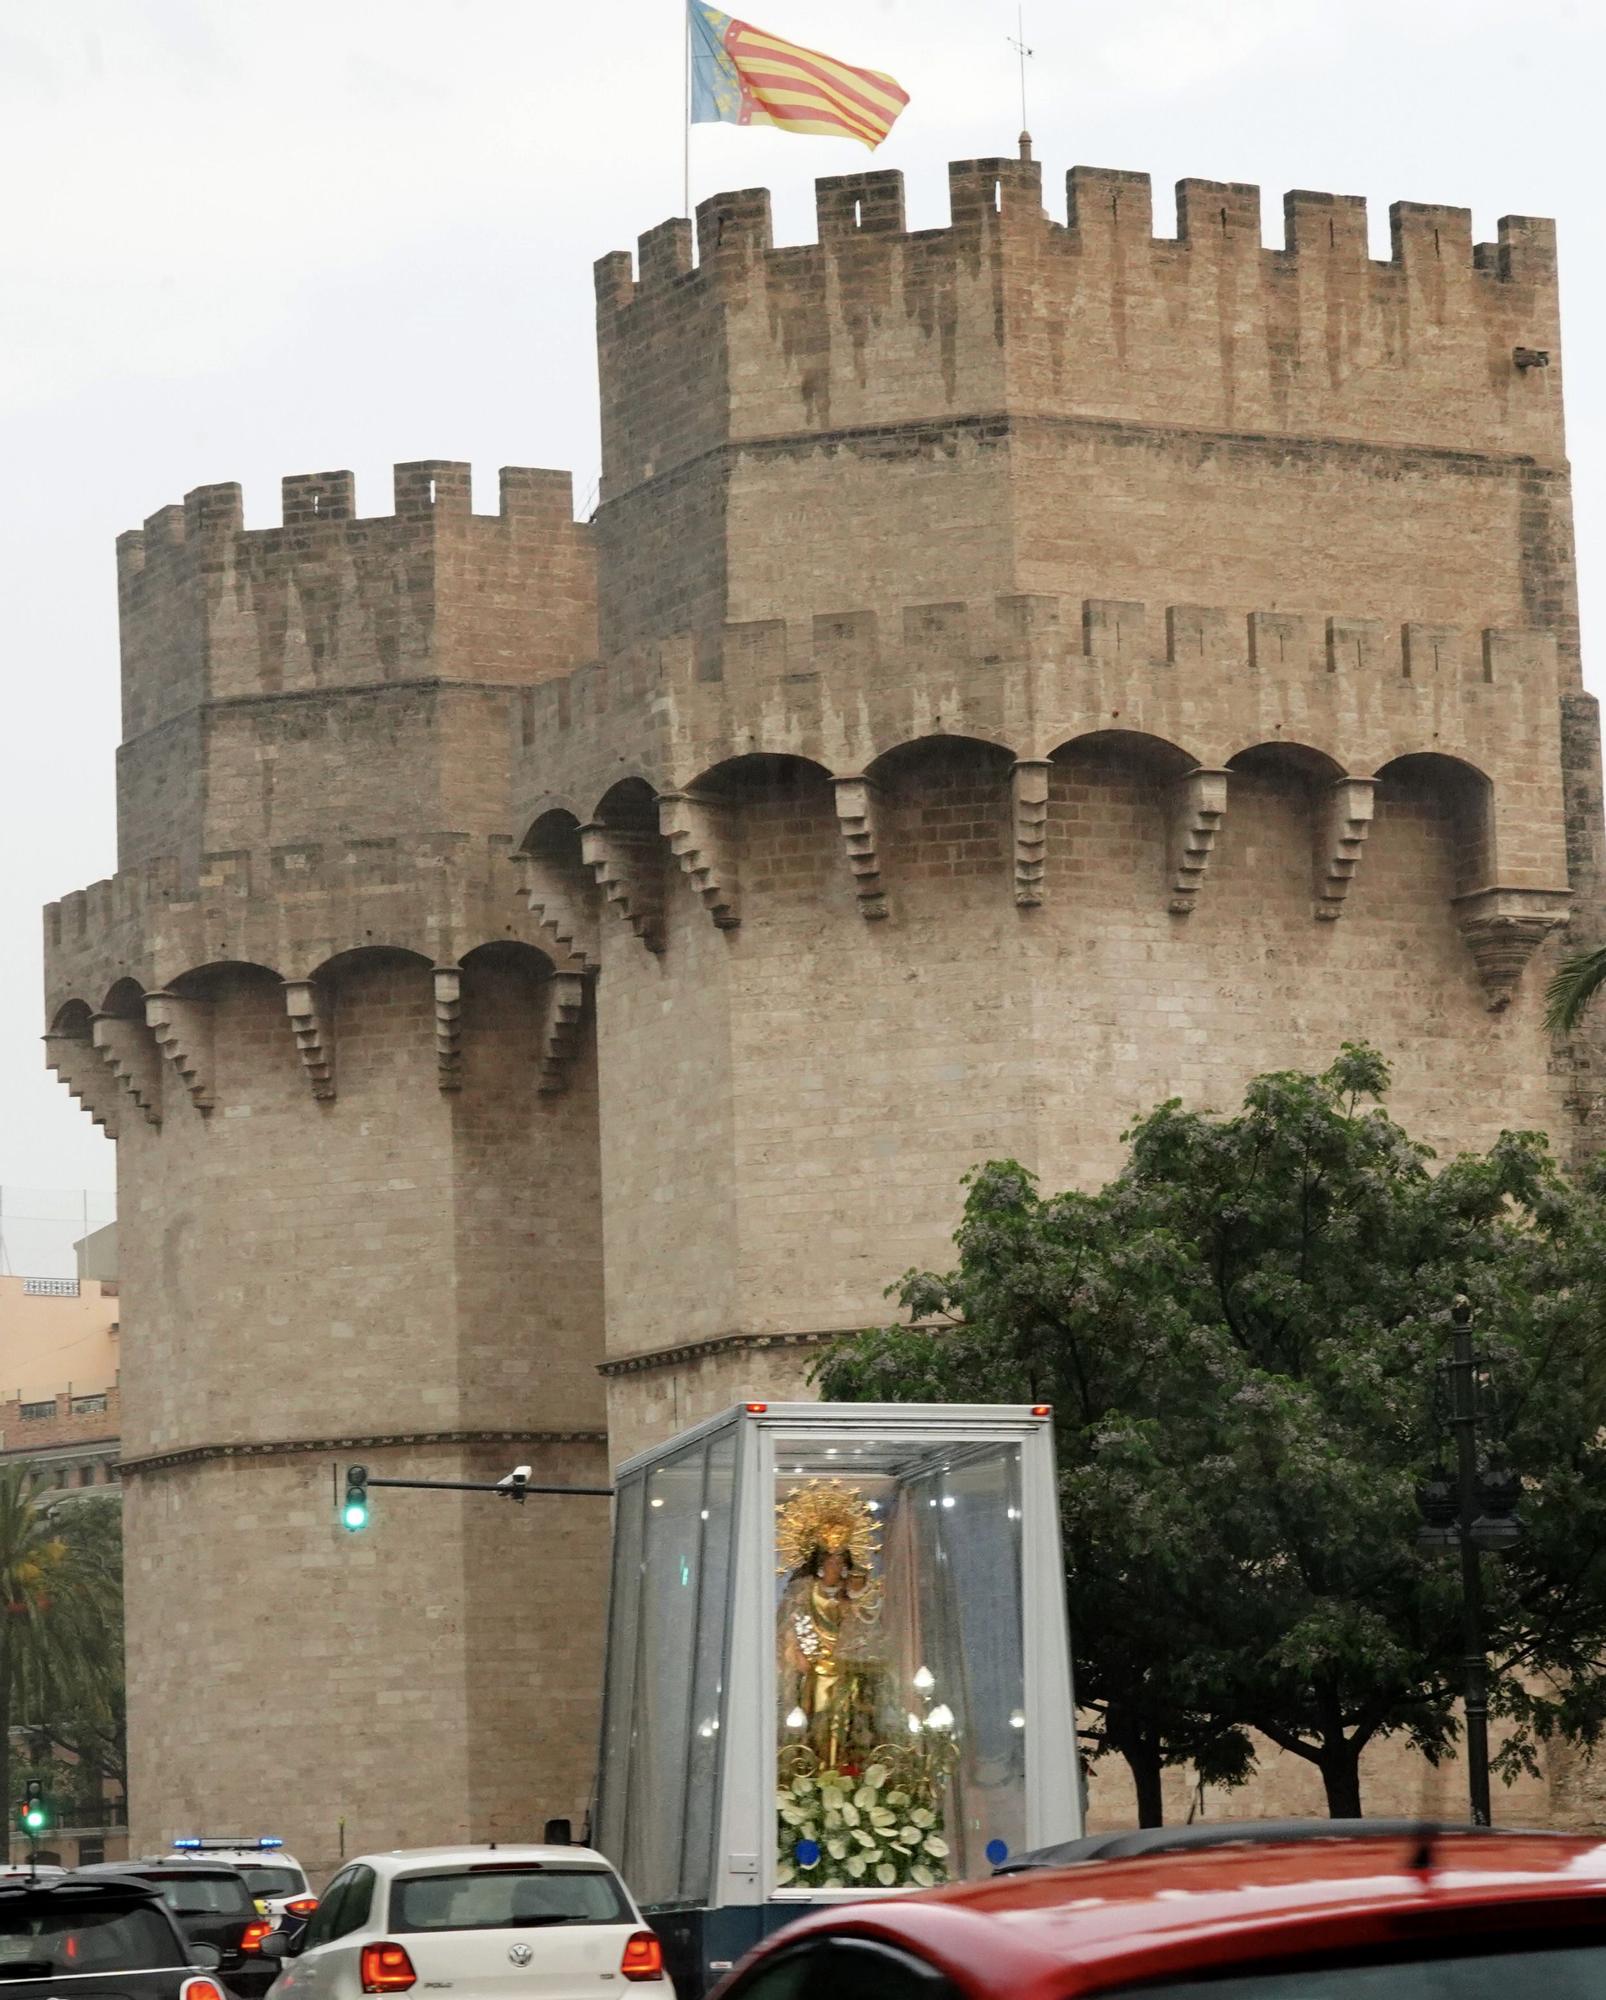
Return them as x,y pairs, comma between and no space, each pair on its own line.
1498,1972
51,1943
191,1894
510,1898
274,1881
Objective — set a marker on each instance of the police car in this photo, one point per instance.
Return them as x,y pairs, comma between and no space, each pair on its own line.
276,1879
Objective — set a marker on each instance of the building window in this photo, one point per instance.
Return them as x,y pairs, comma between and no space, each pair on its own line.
33,1411
50,1288
88,1406
90,1851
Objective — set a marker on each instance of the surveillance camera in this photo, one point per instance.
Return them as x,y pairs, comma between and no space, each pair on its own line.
513,1483
521,1475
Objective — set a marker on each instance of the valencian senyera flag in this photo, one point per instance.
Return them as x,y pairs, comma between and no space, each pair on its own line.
742,76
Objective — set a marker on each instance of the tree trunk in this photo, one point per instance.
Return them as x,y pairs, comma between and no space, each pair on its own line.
1340,1766
1142,1756
7,1803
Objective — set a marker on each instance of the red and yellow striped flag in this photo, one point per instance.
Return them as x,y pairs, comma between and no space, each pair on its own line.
742,76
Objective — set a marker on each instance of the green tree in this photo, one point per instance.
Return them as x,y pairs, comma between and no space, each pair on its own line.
1239,1336
73,1692
60,1607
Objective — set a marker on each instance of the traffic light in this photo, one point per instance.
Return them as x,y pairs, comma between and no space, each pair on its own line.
33,1812
354,1514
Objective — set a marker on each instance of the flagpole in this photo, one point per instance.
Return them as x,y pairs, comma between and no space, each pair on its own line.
686,127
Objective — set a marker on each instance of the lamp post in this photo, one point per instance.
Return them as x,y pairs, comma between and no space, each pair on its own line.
1475,1512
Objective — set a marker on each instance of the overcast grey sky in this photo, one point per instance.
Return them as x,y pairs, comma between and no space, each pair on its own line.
245,239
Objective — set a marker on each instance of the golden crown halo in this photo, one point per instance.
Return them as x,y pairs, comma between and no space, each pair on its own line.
825,1514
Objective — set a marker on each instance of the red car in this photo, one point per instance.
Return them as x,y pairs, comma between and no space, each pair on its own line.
1425,1916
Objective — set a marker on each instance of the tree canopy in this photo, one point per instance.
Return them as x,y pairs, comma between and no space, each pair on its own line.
1240,1335
61,1624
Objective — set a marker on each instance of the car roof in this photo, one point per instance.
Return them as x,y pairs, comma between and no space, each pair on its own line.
237,1857
159,1864
83,1883
402,1859
1061,1931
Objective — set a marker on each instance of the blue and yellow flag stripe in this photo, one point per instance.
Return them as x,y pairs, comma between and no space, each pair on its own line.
742,76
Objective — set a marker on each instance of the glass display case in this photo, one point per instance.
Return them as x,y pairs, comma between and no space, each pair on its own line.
837,1662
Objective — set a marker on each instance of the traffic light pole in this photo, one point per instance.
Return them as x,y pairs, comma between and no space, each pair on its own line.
513,1486
1464,1420
490,1486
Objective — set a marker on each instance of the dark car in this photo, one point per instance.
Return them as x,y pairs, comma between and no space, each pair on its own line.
214,1906
104,1938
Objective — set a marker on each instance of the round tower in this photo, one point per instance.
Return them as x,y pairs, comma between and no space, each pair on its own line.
1046,669
353,1089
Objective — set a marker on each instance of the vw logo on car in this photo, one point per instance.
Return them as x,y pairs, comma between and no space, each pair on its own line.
521,1954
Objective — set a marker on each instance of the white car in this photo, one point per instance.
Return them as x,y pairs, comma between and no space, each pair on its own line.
481,1923
275,1879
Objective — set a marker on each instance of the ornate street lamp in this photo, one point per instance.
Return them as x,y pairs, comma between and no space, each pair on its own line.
1473,1511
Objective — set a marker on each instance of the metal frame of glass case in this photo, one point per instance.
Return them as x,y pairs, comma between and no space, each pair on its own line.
890,1706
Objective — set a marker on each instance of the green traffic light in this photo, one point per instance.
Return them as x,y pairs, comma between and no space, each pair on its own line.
34,1819
356,1514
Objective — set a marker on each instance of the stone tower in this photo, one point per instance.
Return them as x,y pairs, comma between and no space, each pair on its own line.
1030,669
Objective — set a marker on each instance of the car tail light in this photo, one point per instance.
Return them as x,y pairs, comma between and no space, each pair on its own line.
301,1906
201,1989
644,1956
386,1968
254,1933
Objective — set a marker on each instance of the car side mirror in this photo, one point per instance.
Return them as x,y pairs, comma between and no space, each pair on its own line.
207,1956
275,1945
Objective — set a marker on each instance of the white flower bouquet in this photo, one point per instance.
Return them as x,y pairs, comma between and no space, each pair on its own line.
879,1828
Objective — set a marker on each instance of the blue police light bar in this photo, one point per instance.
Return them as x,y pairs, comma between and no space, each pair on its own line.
269,1841
186,1843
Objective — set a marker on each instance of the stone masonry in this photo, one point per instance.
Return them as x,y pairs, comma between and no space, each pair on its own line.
558,973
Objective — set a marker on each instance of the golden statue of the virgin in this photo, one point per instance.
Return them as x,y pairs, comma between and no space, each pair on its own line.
831,1672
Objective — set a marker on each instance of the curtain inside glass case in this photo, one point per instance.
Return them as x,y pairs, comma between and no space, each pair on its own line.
899,1661
665,1698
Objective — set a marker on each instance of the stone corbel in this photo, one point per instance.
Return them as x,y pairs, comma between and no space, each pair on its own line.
312,1026
1028,801
183,1031
1198,803
129,1052
76,1060
628,867
558,904
1341,830
1503,928
857,814
699,833
560,1029
448,981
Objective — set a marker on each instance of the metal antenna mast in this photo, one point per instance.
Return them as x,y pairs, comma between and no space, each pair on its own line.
1017,42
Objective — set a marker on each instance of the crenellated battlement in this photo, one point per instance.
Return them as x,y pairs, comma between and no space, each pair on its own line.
213,610
1010,310
291,908
1033,675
